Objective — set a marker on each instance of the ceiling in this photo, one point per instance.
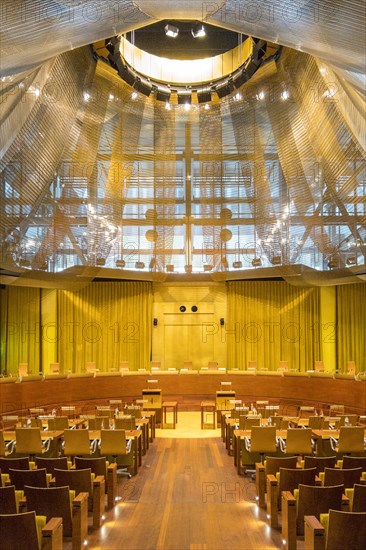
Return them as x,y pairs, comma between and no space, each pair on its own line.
274,171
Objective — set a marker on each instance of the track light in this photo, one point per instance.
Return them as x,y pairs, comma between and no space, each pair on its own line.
120,263
257,262
198,30
100,262
204,95
184,98
171,30
237,265
163,94
143,86
333,262
139,265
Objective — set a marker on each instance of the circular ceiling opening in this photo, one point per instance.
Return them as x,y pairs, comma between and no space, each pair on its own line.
153,39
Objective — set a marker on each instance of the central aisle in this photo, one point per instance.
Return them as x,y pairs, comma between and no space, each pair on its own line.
186,496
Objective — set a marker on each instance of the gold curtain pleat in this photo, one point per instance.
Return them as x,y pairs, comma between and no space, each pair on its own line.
271,321
105,323
351,326
20,329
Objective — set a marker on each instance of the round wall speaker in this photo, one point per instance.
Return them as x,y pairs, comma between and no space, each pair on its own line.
194,309
182,309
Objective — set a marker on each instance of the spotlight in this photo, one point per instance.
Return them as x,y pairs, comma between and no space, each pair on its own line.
139,265
198,30
225,89
237,265
163,94
188,268
120,263
257,262
204,95
207,267
276,260
169,268
351,261
143,86
184,98
171,30
100,262
24,263
240,78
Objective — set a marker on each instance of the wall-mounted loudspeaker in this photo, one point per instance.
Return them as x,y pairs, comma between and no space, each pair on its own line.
222,321
155,322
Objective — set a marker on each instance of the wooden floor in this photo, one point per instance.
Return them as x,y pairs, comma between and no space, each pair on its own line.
186,496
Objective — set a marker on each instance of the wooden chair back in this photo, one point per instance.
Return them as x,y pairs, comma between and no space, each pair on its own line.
68,410
315,422
354,462
335,476
36,423
126,422
316,500
351,439
76,442
134,411
79,481
8,503
58,423
19,531
248,422
34,478
346,530
290,478
274,463
104,410
320,462
28,441
50,464
98,423
96,465
298,441
263,439
51,502
352,420
36,411
359,498
113,442
14,463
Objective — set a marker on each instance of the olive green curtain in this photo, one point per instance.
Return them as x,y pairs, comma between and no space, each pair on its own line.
105,323
351,326
272,321
20,329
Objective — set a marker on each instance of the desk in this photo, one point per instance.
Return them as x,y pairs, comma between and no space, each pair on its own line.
170,405
208,407
151,416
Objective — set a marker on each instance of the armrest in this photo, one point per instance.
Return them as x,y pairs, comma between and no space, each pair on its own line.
333,443
313,523
259,467
52,534
272,480
80,498
281,444
314,534
129,445
99,480
51,525
287,496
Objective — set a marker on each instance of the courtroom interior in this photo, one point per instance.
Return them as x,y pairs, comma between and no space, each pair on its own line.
182,274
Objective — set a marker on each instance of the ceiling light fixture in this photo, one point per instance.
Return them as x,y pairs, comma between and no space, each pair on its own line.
171,30
198,30
257,262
